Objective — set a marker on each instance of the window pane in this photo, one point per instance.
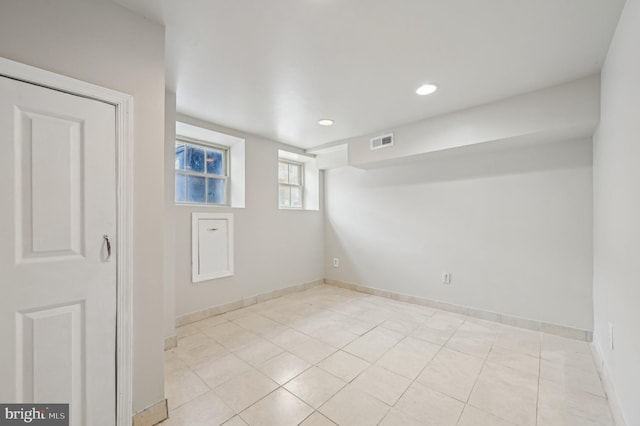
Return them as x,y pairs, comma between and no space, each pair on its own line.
285,197
195,158
181,188
214,162
283,173
215,191
196,192
294,174
296,197
180,156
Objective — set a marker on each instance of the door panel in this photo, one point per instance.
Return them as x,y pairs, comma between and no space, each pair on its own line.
49,156
58,304
56,335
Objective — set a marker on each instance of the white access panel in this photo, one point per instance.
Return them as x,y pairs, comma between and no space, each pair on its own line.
212,246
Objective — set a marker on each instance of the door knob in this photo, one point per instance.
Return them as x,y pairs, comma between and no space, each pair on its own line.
108,243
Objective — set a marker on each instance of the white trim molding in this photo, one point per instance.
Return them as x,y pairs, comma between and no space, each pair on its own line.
535,325
153,415
242,303
607,383
170,342
123,104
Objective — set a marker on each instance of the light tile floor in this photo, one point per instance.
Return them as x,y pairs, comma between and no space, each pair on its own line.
329,356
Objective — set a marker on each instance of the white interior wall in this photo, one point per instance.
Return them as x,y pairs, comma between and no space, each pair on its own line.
169,264
105,44
432,216
617,218
274,248
562,112
512,225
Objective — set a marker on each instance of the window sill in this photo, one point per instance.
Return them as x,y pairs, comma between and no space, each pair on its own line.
297,209
215,206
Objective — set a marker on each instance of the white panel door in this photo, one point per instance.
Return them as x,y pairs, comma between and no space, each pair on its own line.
57,285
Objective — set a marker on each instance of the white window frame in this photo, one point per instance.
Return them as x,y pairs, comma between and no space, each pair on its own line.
292,185
185,172
311,194
188,127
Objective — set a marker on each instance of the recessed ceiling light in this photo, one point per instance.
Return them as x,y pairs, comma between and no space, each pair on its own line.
426,89
325,122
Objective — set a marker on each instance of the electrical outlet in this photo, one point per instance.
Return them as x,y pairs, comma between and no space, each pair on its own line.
446,278
610,336
336,262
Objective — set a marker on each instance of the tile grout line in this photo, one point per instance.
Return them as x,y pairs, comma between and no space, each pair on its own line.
475,382
374,364
539,375
414,379
323,308
316,365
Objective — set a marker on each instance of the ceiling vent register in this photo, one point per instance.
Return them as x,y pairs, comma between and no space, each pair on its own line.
383,141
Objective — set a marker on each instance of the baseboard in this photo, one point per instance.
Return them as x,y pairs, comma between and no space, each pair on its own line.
170,342
609,388
152,415
242,303
559,330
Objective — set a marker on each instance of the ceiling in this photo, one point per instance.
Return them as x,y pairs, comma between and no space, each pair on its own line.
274,68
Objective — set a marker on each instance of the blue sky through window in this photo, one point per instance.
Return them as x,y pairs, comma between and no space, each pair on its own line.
200,174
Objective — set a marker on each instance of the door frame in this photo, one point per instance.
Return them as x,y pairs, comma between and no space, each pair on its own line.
123,104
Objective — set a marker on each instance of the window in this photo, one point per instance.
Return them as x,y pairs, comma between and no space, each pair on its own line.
233,162
202,172
290,179
298,181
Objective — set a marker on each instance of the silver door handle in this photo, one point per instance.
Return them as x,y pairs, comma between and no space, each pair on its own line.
106,240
